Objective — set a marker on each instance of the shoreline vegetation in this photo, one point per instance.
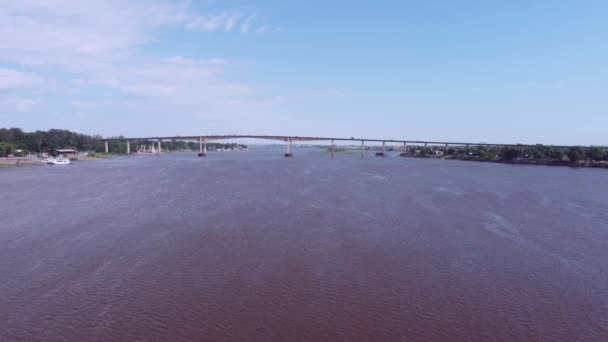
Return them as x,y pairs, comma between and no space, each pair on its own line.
527,161
576,156
19,148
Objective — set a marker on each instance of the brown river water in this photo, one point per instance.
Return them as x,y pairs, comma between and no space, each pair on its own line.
251,246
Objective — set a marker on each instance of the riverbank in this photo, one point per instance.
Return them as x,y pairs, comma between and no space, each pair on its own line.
15,162
527,161
96,156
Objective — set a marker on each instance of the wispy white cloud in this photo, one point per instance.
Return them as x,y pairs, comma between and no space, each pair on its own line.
210,23
192,62
90,53
266,28
246,25
19,105
224,22
14,79
262,29
37,32
231,22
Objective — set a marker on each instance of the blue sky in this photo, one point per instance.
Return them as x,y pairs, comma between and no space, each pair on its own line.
493,71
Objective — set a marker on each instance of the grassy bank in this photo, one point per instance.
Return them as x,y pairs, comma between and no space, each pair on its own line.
16,163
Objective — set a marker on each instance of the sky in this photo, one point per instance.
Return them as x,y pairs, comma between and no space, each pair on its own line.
473,71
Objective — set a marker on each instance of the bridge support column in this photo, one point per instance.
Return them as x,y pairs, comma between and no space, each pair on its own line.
159,147
404,153
106,146
333,154
362,148
289,152
202,147
445,153
382,154
128,148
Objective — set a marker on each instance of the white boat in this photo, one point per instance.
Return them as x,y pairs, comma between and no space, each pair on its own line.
58,161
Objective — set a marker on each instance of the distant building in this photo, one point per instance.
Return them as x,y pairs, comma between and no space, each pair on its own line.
65,153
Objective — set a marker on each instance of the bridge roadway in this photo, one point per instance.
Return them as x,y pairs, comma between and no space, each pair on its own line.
203,139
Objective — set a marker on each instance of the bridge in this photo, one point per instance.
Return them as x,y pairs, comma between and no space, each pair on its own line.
289,140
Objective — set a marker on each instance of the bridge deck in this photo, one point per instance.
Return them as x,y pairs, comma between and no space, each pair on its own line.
303,139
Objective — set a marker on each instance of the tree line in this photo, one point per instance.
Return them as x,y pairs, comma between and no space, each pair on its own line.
573,154
17,142
14,141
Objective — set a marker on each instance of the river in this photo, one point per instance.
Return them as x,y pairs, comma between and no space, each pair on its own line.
253,246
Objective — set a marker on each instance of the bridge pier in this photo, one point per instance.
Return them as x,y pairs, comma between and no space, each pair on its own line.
362,149
202,147
383,153
106,146
333,154
404,153
159,147
289,152
128,148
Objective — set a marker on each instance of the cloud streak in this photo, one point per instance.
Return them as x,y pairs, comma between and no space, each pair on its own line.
91,51
11,79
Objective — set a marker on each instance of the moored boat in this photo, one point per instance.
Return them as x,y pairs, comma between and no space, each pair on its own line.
58,161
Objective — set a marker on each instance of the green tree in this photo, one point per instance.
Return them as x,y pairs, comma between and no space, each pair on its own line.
480,151
575,154
6,135
425,151
510,153
595,154
538,153
5,149
557,155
